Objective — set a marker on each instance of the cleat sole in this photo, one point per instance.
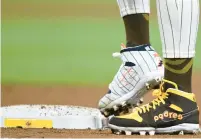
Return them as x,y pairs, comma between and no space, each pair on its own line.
129,99
181,129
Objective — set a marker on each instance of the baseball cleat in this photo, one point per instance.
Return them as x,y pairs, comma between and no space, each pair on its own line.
141,70
173,111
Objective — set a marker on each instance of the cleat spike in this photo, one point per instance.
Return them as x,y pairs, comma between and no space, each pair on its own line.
158,79
141,100
142,133
115,107
123,104
147,86
196,131
117,132
181,133
151,133
105,113
128,132
113,131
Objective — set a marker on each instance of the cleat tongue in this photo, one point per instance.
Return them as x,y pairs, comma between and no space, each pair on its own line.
142,133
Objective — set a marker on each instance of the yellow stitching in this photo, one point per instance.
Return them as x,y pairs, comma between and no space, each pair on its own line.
175,62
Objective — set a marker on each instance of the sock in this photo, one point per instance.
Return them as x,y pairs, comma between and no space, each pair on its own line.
135,14
179,70
137,29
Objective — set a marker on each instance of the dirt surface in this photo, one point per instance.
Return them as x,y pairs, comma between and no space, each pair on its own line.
53,133
67,95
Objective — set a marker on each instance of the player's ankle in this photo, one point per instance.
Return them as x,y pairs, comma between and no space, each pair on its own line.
179,70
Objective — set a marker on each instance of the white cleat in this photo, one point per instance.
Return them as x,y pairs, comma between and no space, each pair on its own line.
141,70
151,133
128,133
142,133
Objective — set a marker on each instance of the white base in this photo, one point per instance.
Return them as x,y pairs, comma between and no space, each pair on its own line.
67,117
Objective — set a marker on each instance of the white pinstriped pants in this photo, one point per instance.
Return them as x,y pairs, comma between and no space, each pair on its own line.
178,22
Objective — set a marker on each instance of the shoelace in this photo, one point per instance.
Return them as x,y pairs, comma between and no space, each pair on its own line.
161,96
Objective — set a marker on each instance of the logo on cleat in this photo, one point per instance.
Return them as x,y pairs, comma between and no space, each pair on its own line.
170,115
160,63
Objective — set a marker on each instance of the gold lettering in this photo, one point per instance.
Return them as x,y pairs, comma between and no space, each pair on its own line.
170,115
180,117
165,114
174,115
156,118
160,116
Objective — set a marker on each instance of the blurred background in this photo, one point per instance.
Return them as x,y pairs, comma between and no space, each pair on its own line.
68,43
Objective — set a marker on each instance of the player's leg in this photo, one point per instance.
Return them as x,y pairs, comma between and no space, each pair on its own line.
135,14
142,67
175,108
178,22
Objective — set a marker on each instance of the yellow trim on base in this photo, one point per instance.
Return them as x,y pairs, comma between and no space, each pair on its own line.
28,123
